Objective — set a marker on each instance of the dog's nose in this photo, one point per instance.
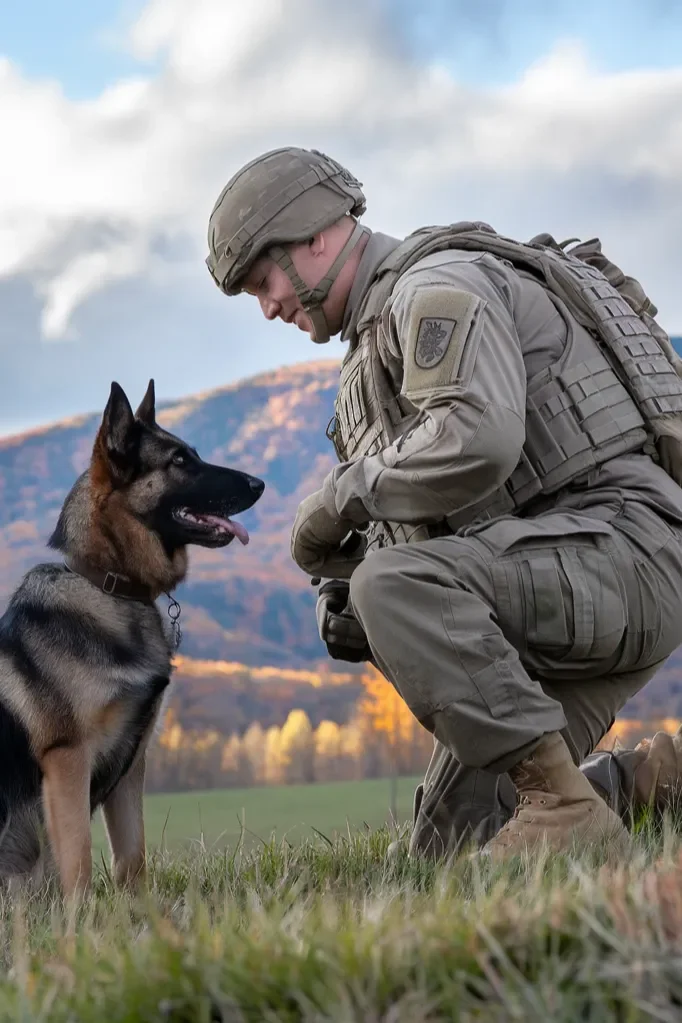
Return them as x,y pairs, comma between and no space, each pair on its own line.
257,486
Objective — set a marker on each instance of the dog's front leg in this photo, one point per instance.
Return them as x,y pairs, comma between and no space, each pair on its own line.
66,801
123,813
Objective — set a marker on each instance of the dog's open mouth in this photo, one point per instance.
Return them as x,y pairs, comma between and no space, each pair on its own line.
218,527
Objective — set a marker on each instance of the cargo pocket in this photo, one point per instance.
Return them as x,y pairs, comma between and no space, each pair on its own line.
559,597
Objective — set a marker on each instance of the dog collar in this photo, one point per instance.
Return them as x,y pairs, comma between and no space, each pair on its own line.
111,583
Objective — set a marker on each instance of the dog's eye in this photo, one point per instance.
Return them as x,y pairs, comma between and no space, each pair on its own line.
179,458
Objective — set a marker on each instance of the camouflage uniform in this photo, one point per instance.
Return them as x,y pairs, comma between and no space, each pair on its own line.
522,542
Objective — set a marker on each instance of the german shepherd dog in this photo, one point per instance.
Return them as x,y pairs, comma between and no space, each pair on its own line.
85,655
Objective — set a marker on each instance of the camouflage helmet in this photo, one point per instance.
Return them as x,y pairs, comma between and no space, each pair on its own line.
282,197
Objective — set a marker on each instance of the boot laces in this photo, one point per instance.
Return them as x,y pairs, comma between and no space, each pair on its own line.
526,800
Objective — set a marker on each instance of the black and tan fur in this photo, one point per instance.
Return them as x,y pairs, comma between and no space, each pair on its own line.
83,671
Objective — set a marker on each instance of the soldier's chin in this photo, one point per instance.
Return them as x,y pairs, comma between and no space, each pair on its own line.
303,322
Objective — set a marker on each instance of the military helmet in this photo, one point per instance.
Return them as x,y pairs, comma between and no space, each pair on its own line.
282,197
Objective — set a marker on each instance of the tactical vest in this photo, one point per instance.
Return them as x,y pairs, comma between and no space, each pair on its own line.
615,390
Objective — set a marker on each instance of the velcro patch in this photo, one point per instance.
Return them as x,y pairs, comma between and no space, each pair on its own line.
440,330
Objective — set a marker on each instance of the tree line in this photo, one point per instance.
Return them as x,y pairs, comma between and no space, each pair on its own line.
381,738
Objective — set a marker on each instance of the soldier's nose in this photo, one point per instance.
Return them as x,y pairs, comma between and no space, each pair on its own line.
271,309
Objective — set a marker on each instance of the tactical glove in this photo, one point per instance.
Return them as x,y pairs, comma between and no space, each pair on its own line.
316,540
338,627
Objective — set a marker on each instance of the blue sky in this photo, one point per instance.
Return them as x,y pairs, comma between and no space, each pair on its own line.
77,43
124,119
491,41
484,41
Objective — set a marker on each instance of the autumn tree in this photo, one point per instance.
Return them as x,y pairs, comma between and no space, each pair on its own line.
383,713
235,767
383,710
297,748
352,750
327,750
254,749
272,769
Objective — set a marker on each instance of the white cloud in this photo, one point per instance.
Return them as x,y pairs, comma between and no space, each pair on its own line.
82,277
121,186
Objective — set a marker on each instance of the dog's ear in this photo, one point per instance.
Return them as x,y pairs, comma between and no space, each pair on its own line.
117,438
118,423
146,411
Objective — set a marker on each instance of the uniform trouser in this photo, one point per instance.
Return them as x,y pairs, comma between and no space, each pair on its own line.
509,631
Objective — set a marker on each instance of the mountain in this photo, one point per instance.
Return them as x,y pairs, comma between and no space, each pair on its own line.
251,604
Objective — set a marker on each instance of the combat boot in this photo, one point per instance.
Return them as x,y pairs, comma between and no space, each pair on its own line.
555,804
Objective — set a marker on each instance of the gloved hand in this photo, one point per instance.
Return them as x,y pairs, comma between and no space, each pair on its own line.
338,626
316,539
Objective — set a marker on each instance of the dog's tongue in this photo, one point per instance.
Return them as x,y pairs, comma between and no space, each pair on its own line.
236,528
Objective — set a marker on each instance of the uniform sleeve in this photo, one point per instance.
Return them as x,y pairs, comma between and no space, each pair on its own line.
452,326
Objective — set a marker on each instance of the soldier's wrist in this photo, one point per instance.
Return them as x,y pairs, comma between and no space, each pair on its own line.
329,498
353,510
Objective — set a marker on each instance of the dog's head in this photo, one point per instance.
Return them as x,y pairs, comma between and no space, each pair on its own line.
163,482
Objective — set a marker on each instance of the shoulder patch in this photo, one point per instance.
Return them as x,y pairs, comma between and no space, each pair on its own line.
433,338
443,326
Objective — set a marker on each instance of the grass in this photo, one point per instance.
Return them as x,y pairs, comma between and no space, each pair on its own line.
221,818
330,932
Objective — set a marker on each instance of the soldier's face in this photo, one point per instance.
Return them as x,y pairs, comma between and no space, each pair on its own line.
311,259
275,292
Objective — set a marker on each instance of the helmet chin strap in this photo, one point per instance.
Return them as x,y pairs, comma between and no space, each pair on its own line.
312,298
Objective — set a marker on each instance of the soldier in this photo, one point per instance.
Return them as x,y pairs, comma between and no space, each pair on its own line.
502,535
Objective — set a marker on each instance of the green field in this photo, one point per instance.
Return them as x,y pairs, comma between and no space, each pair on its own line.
301,928
337,933
218,818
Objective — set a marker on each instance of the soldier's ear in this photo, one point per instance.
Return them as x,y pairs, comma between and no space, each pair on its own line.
317,244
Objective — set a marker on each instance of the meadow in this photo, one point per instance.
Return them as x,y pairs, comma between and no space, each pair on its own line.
318,926
221,818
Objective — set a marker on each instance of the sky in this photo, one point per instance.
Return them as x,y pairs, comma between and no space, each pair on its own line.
122,120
